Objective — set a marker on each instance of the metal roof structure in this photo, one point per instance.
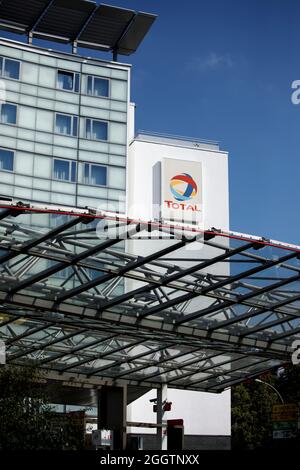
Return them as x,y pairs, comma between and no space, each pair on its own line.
76,302
81,23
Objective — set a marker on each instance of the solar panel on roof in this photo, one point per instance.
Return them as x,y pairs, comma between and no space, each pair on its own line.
102,27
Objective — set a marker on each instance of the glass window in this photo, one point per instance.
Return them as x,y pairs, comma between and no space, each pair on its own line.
8,113
58,219
64,170
95,174
96,130
66,124
6,160
9,68
68,81
97,86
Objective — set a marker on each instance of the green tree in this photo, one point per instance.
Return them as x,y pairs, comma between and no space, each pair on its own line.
27,421
251,415
252,404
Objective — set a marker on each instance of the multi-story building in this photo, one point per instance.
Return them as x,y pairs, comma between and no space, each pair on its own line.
63,127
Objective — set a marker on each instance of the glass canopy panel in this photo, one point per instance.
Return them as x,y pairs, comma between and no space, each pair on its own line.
77,297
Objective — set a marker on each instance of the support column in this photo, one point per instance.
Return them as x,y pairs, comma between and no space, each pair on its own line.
161,437
112,403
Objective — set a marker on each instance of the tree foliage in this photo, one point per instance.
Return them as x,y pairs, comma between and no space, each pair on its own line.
252,404
27,421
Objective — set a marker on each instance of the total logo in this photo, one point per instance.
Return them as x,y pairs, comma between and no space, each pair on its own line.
183,188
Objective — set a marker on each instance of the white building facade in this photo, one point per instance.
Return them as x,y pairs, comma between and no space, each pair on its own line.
206,416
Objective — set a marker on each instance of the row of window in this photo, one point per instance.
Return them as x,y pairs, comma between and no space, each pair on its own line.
65,124
68,81
63,170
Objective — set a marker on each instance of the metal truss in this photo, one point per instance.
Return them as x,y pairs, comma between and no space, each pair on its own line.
98,297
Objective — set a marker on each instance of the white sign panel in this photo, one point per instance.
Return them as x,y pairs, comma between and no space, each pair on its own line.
181,190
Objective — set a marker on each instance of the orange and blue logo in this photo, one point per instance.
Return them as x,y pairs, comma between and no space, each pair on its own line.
183,187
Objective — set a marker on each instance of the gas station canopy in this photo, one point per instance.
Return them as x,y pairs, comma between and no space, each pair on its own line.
78,303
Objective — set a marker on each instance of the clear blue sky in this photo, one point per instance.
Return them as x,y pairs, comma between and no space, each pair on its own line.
222,70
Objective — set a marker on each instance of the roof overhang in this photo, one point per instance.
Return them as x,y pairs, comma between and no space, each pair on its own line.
81,23
67,305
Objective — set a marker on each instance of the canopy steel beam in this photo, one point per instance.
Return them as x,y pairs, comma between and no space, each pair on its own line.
69,325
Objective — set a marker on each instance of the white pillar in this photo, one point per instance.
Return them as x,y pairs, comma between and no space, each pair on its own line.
162,439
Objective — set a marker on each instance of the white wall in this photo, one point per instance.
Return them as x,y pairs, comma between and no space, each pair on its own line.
143,156
203,413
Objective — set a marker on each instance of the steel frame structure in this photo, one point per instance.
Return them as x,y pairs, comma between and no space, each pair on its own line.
80,23
79,304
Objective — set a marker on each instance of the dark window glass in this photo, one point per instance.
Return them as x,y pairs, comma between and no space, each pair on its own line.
97,86
11,69
61,170
65,80
90,85
8,113
101,87
73,172
96,130
98,175
75,126
77,82
67,125
6,160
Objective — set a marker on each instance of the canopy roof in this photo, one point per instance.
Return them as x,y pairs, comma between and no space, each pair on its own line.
82,304
81,22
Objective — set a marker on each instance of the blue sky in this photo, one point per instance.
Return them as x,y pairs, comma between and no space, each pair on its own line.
222,70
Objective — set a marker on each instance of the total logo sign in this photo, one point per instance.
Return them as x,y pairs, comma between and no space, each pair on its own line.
184,188
182,191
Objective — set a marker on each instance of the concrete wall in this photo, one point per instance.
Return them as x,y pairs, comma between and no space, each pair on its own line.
204,414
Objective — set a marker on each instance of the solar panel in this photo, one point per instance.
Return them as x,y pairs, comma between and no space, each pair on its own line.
101,27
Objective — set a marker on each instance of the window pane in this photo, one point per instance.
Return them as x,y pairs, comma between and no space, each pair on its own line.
61,170
8,113
58,219
1,66
77,82
100,87
88,128
6,160
73,172
63,124
98,175
12,69
90,85
86,173
99,130
65,80
75,125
